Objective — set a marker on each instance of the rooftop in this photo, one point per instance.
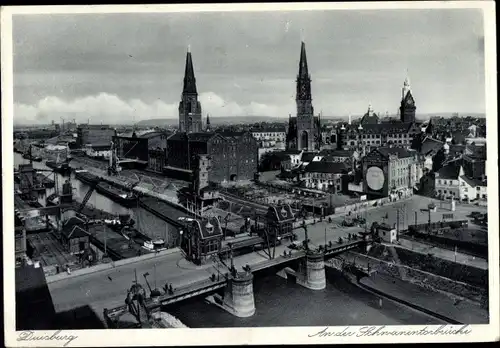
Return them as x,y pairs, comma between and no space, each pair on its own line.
400,152
326,167
450,171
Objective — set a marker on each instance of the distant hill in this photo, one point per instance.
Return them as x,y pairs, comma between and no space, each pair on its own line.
230,120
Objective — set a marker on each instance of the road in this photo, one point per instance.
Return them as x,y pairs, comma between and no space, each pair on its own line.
407,209
107,289
444,253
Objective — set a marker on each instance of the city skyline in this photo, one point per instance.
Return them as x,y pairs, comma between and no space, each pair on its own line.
126,74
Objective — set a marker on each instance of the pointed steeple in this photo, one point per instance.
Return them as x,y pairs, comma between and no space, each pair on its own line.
189,79
209,128
303,69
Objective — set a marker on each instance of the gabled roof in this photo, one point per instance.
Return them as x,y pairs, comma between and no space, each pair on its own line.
450,171
430,146
214,228
280,213
473,182
74,232
326,167
73,221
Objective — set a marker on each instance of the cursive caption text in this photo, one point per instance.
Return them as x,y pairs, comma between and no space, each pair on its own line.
369,331
56,336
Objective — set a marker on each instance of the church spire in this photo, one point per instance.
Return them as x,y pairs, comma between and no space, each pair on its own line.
189,79
209,128
303,69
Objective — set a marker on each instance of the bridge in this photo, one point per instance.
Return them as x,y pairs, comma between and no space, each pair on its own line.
209,285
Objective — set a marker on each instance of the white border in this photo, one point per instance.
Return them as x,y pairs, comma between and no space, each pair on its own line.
236,336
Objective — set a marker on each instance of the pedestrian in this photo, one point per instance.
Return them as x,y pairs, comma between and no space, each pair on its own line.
380,302
171,289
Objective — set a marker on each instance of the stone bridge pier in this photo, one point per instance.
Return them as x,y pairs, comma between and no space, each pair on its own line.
238,298
311,271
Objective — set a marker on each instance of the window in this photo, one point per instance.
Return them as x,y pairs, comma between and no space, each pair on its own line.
465,189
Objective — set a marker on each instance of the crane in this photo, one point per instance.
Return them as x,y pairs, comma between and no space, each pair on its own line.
87,196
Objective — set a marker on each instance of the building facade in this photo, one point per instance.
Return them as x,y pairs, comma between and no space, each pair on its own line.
269,137
325,176
304,130
189,107
233,156
391,170
201,239
366,137
93,134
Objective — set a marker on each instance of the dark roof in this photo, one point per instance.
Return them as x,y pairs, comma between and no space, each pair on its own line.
73,221
367,119
308,156
337,153
34,306
450,171
292,152
74,232
215,231
473,182
201,136
232,134
282,212
326,167
431,146
151,134
401,152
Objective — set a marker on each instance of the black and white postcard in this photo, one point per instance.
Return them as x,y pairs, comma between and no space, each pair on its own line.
305,173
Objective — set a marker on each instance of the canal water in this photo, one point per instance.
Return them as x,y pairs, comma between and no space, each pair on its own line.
146,222
281,303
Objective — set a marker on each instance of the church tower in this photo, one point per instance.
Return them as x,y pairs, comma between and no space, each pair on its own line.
209,127
306,125
189,107
407,108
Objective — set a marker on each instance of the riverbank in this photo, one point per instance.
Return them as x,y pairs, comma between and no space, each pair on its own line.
463,312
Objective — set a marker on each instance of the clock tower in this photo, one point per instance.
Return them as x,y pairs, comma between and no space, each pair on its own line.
306,125
189,107
407,108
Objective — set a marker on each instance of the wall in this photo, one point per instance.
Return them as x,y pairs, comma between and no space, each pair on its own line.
425,279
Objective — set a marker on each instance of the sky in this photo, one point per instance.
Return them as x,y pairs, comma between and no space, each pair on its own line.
118,68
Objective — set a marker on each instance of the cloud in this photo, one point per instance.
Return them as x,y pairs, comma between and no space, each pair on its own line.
111,109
